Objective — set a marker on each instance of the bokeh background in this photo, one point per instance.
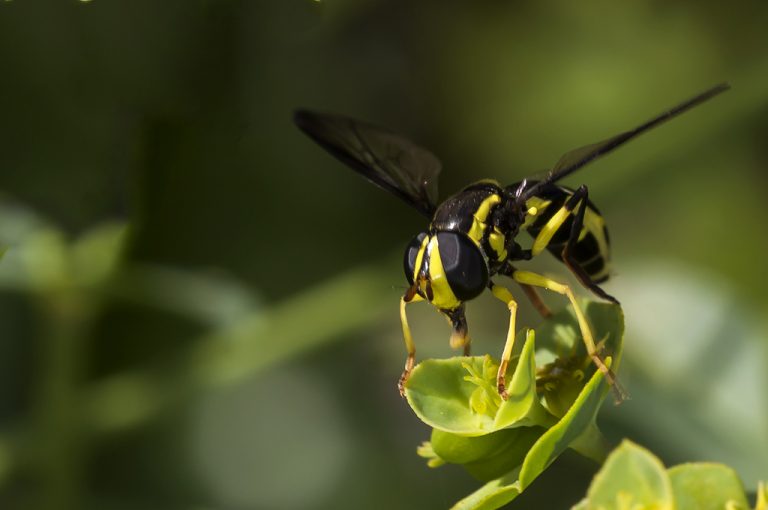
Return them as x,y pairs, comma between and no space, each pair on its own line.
198,307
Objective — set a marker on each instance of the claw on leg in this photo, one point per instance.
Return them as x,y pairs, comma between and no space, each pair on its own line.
406,373
501,384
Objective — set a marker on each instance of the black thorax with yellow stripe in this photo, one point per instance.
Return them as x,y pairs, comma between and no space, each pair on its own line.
472,235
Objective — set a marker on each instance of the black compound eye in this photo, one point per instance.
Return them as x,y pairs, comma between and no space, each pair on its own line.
409,262
465,267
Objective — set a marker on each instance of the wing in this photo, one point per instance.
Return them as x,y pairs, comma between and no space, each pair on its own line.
384,158
577,158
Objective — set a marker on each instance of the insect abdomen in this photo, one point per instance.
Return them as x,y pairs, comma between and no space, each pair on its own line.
592,250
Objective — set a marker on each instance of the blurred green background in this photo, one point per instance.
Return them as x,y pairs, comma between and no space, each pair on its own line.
198,307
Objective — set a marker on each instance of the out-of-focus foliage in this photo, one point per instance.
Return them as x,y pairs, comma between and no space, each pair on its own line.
198,308
705,389
633,478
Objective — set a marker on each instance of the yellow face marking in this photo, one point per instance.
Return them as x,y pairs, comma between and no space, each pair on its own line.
442,295
419,259
480,216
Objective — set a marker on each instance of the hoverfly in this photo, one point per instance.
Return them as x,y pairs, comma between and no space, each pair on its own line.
472,235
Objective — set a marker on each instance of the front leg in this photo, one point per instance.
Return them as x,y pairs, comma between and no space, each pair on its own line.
506,296
409,297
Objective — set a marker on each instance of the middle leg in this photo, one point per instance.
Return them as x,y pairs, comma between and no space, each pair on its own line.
537,280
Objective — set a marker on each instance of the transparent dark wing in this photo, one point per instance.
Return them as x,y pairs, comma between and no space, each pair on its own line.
577,158
384,158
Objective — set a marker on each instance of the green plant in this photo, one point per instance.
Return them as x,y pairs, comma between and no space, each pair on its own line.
632,478
554,395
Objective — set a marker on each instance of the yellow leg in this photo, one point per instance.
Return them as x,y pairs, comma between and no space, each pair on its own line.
409,345
506,296
537,280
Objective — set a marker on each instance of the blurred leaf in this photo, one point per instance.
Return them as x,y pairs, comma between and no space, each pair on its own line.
235,351
631,478
96,254
634,478
706,487
581,505
762,496
698,361
43,258
494,494
210,297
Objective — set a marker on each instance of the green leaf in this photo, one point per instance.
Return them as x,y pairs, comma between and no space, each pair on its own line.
632,477
522,407
581,505
706,486
463,450
459,395
576,422
96,254
509,456
509,443
439,394
489,456
492,495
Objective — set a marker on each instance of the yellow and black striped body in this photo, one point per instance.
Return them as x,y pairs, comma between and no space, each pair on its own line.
592,249
488,217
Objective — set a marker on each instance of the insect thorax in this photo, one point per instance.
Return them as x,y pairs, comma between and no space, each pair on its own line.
478,212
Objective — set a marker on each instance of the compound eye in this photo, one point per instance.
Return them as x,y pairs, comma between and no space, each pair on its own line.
464,265
411,251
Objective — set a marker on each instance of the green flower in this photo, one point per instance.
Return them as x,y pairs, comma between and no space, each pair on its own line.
508,443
